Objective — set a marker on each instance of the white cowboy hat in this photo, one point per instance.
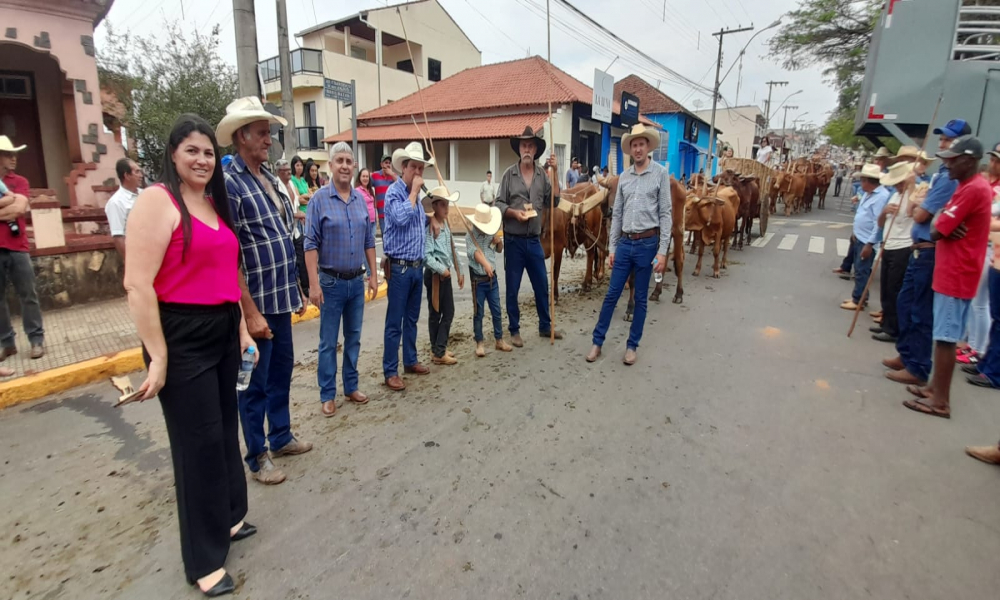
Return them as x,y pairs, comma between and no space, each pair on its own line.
883,152
438,193
871,171
240,112
7,146
487,219
897,173
908,152
412,151
641,131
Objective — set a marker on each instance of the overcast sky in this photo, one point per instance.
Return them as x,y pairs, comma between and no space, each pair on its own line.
509,29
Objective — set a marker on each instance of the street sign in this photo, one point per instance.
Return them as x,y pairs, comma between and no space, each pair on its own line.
630,109
604,89
338,90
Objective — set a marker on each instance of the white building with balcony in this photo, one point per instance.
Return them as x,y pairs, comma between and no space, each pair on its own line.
370,48
741,127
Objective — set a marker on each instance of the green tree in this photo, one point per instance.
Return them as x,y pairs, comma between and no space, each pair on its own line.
156,81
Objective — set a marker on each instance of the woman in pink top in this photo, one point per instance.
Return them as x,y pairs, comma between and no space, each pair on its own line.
367,190
181,274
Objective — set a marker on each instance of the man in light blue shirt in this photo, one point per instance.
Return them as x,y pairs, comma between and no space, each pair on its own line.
866,230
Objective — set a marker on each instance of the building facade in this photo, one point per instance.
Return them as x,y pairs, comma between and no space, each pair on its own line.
370,48
742,127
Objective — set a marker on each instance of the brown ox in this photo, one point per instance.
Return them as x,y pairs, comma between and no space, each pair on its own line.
587,231
792,186
713,219
825,176
749,207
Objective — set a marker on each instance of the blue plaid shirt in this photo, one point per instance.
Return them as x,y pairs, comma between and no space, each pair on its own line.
341,231
404,224
265,239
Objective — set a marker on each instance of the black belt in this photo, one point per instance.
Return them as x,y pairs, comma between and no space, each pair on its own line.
641,235
339,275
405,263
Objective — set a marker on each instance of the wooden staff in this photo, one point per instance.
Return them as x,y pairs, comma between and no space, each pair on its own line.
878,259
553,177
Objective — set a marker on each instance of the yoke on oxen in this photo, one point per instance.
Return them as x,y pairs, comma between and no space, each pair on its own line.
578,203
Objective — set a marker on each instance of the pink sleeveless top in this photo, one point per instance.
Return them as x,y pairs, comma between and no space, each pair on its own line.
209,274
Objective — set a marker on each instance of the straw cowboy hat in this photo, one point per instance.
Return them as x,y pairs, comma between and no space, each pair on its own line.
897,173
7,146
871,171
883,152
487,219
923,156
515,142
240,112
908,152
438,193
641,131
412,151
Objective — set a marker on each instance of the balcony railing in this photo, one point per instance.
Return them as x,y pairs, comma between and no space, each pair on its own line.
304,60
307,138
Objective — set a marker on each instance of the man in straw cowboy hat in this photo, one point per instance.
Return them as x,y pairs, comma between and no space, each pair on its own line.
641,222
482,270
915,302
524,188
264,219
15,260
866,230
896,247
404,244
881,158
962,231
442,268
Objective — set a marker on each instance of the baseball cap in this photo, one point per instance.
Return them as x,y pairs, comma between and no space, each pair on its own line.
954,128
967,145
385,157
995,152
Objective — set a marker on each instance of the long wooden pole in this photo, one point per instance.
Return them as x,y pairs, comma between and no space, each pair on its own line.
552,198
878,259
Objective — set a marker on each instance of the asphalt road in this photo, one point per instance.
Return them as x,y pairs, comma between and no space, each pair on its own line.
753,452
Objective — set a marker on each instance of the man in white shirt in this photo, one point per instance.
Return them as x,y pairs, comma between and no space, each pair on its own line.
488,193
896,247
123,200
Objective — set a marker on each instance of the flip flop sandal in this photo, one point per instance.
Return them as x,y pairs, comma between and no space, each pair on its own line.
927,409
917,391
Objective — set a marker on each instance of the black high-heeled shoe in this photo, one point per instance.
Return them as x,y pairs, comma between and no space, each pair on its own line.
224,587
244,532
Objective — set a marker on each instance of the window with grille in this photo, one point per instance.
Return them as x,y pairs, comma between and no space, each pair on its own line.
15,86
660,152
433,69
977,34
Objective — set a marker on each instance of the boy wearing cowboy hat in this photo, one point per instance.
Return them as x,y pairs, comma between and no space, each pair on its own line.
264,222
15,260
641,222
442,264
403,244
866,230
482,269
525,187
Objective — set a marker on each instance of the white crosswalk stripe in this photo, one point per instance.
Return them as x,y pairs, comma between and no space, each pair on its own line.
838,226
761,242
843,245
788,242
816,244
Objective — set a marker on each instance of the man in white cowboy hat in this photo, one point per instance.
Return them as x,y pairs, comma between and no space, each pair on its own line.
403,244
15,260
896,247
881,159
641,222
524,188
264,221
866,230
483,272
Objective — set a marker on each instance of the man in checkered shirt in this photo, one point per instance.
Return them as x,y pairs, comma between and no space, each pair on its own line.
263,218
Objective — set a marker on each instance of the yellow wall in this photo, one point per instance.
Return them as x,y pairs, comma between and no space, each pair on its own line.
473,159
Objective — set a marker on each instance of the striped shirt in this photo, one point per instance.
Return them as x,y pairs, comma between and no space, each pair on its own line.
405,224
265,238
643,203
340,231
489,252
437,251
381,182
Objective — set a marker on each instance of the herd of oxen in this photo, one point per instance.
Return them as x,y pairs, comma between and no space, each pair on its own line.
716,213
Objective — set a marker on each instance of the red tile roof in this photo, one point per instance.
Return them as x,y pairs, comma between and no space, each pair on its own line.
505,126
651,100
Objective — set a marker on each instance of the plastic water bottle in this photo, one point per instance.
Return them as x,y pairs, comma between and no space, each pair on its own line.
657,277
246,370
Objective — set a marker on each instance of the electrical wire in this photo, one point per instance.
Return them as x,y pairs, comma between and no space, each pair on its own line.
513,41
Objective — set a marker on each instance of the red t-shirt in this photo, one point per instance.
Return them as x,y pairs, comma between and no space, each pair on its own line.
958,264
18,185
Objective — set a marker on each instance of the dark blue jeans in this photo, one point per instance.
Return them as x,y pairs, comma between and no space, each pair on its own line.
862,270
630,256
520,255
915,307
343,300
401,318
848,261
487,290
267,394
990,363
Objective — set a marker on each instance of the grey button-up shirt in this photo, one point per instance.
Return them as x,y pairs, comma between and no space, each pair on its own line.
514,193
643,203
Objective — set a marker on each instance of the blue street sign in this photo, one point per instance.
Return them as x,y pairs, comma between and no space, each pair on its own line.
338,90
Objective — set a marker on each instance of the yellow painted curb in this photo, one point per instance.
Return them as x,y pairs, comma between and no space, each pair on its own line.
39,385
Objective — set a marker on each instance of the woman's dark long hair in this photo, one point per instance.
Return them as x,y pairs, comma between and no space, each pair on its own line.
305,174
297,160
183,127
371,185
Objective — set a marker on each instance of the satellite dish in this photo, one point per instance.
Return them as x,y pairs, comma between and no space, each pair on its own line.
698,103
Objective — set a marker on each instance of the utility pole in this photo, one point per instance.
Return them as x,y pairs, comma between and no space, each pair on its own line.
245,22
784,119
767,113
287,103
715,97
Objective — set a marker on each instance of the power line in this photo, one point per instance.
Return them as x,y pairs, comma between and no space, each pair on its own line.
517,45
